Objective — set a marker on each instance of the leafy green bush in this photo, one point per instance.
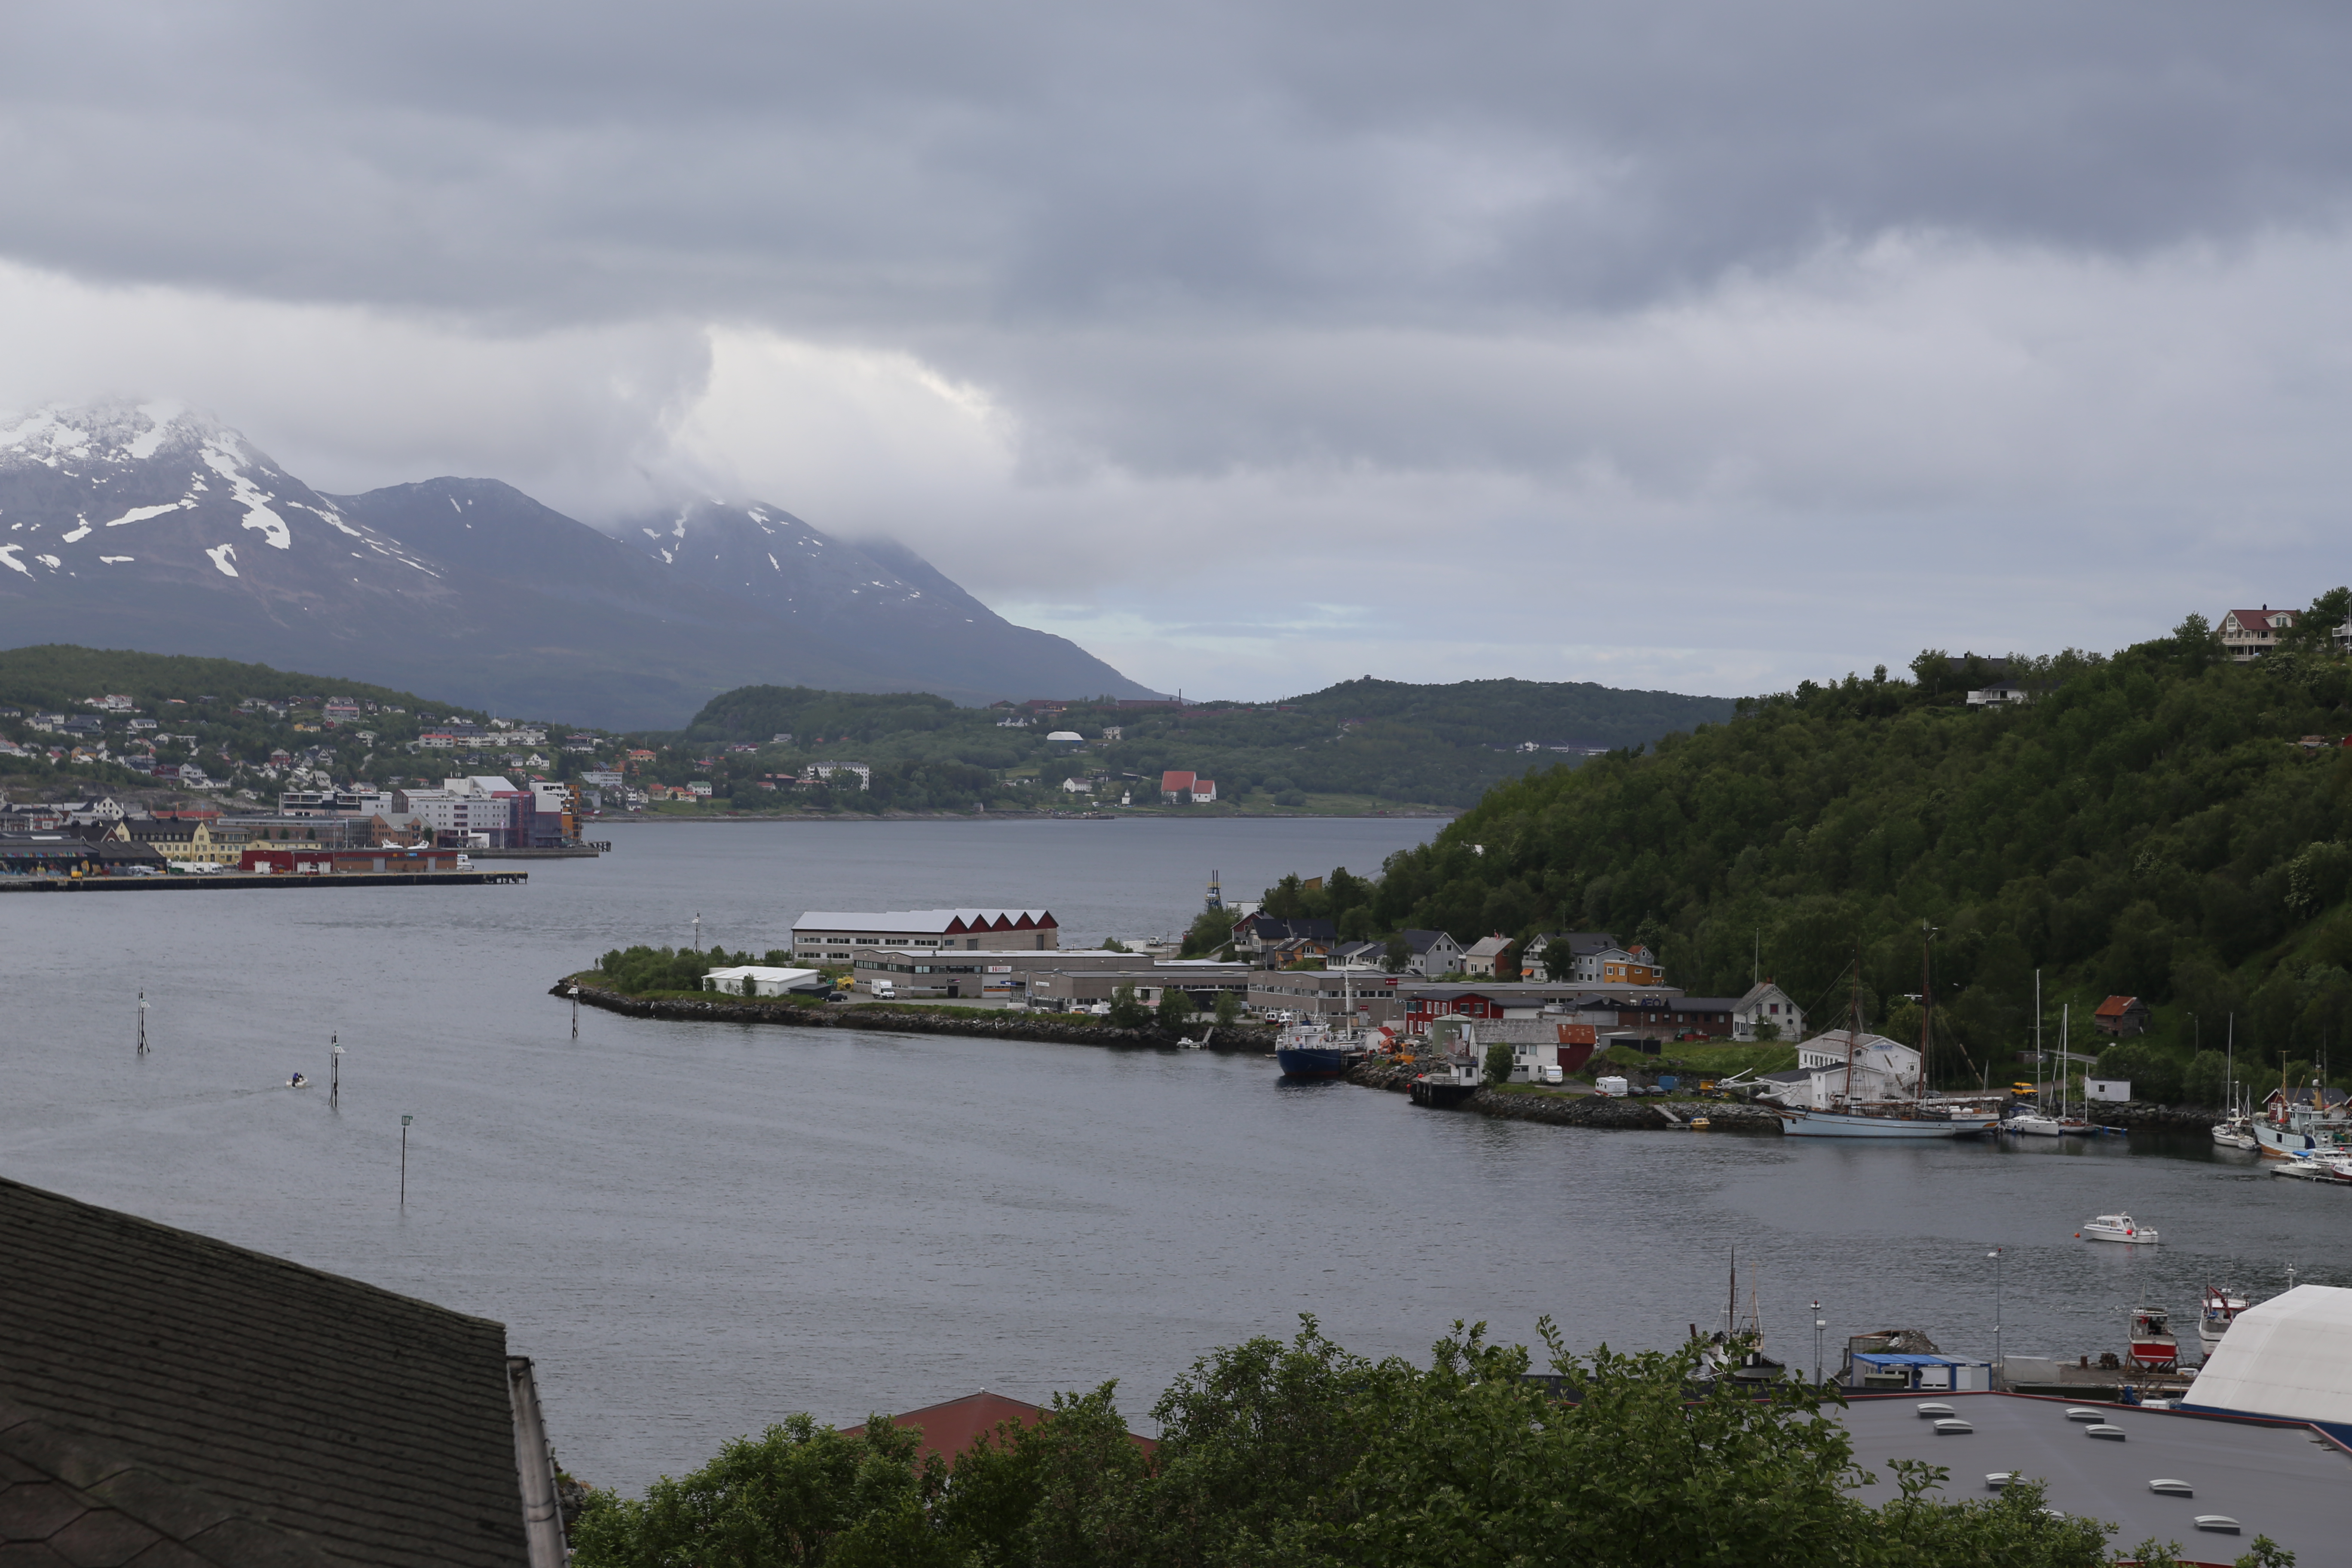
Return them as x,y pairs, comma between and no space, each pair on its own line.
1498,1063
1126,1012
1176,1008
635,970
1306,1456
2154,1073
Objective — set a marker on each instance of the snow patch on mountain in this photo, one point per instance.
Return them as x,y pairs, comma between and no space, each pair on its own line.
222,459
141,513
222,554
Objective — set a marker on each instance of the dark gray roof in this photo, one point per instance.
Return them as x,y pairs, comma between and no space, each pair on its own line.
204,1393
1423,941
2276,1478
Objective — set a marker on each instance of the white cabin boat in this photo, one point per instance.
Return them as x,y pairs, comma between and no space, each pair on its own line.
2119,1227
2222,1305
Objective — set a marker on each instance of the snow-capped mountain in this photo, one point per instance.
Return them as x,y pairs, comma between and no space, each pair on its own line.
85,493
149,527
875,595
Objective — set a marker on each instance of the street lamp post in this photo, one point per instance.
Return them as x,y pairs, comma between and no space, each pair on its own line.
1820,1325
1999,1363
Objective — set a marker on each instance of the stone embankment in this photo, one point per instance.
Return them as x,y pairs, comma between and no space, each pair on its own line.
1578,1109
2147,1113
1009,1026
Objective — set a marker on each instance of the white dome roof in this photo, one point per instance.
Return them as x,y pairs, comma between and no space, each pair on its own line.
1066,735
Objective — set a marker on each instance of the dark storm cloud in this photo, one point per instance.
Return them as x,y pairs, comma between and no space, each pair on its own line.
832,167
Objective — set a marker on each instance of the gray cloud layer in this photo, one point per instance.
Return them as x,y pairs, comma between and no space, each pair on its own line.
1764,281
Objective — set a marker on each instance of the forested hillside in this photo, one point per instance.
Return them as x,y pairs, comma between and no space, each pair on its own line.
2155,823
1360,742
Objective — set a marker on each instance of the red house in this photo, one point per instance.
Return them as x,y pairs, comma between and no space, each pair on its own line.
2121,1015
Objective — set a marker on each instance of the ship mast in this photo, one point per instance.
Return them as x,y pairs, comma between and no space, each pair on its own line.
1926,1010
1852,1023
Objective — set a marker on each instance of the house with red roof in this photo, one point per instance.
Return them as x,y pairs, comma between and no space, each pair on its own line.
951,1427
2121,1015
2247,635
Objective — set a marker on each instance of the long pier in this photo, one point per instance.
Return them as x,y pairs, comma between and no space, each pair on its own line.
219,882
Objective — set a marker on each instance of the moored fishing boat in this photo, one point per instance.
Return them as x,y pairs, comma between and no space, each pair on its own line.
2302,1124
2152,1344
2222,1305
1314,1050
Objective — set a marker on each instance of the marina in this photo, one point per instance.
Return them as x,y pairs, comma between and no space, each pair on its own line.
697,1227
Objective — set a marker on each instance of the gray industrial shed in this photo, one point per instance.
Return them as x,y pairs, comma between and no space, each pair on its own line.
2285,1479
165,1397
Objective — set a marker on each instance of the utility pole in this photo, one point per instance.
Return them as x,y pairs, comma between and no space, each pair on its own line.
1999,1363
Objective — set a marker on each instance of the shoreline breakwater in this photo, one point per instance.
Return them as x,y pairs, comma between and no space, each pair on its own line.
1008,1026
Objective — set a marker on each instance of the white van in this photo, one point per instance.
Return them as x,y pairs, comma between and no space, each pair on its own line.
884,990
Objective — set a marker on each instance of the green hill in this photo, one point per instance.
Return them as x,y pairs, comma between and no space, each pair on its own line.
1363,740
60,675
2151,823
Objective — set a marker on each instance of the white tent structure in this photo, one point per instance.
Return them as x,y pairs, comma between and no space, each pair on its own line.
2289,1358
765,981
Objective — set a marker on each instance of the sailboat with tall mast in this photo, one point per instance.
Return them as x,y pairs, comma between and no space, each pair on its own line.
2069,1123
2037,1123
1899,1116
2236,1130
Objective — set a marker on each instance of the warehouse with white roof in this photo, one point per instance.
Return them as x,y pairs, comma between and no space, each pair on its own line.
2288,1358
835,936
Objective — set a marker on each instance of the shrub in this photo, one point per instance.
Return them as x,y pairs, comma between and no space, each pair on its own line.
1498,1063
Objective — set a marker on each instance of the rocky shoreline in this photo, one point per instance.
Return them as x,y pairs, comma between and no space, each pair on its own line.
1580,1110
2147,1113
799,1015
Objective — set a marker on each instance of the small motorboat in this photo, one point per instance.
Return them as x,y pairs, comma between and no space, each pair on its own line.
2316,1165
298,1081
2117,1227
2234,1133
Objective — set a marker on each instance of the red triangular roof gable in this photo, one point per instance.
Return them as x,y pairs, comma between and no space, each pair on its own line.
2116,1006
950,1427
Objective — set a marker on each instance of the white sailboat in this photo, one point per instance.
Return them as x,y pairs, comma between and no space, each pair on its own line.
2037,1123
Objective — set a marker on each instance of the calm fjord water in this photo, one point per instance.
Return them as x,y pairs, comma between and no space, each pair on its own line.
698,1229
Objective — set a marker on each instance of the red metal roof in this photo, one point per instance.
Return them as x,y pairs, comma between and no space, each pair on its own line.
2117,1006
951,1427
1169,781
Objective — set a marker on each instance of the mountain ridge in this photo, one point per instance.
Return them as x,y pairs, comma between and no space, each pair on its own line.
149,527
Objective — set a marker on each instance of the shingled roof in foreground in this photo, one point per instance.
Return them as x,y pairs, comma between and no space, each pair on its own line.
160,1386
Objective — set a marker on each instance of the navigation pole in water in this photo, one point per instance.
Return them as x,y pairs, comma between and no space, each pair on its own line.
404,1159
142,1023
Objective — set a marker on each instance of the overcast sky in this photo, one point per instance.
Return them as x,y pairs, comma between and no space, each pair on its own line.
1702,345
